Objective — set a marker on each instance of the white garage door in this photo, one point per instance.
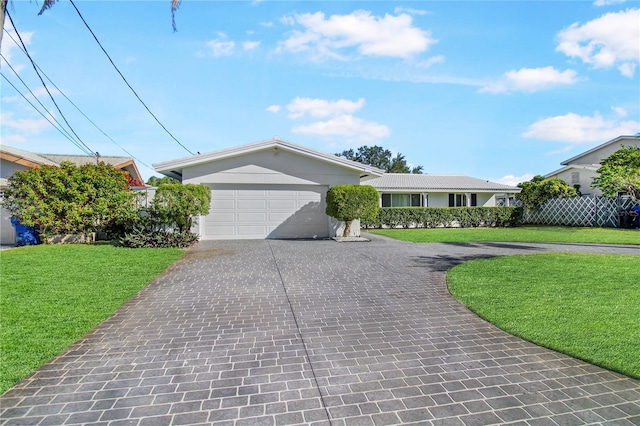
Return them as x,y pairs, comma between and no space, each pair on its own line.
266,211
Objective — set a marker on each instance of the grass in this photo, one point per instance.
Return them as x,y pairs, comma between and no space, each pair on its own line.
51,295
528,234
584,305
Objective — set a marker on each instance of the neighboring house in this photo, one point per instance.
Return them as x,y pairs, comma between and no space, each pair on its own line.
13,159
427,190
277,189
268,189
581,169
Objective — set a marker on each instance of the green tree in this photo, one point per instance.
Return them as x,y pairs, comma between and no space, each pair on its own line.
381,158
157,181
177,205
349,202
70,199
539,190
620,172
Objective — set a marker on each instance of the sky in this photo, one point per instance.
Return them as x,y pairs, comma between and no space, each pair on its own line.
497,90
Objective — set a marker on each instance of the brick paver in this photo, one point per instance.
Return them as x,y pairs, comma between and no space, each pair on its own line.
316,332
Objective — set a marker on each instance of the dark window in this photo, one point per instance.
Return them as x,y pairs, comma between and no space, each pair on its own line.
416,200
452,200
386,200
474,200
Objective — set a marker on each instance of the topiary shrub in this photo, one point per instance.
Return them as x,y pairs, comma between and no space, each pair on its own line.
349,202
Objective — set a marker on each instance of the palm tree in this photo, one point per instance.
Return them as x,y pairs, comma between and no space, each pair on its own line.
46,4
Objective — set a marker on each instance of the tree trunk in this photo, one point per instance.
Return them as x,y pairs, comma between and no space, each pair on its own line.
347,228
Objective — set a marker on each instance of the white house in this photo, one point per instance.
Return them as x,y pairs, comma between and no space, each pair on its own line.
581,169
277,189
268,189
427,190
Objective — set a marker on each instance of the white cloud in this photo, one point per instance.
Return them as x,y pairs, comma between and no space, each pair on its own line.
531,80
348,126
574,128
398,10
8,46
513,180
600,3
24,125
609,40
221,46
430,61
389,36
274,108
250,45
621,112
300,107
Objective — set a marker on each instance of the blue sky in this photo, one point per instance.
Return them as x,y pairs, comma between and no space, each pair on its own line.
499,90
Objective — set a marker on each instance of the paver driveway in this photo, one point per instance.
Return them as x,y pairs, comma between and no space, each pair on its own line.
289,332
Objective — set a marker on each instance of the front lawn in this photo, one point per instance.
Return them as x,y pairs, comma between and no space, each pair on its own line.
584,305
522,234
53,295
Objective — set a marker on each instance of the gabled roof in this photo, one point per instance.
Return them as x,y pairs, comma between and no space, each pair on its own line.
635,138
24,158
30,159
174,168
439,183
592,168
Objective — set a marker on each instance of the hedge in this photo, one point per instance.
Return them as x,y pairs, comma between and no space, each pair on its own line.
433,217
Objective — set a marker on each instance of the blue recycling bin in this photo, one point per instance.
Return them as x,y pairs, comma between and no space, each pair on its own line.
25,235
637,221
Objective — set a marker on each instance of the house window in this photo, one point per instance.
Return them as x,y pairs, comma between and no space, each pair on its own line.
460,200
575,178
401,200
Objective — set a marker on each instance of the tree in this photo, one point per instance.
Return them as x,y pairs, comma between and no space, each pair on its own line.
157,181
70,199
349,202
539,190
177,205
620,172
381,158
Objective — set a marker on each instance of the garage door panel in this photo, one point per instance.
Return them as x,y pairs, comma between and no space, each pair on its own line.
288,205
218,204
266,211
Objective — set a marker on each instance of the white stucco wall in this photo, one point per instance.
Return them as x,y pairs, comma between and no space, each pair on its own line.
280,167
8,168
585,178
598,155
270,167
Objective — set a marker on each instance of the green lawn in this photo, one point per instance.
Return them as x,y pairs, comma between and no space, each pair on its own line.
51,295
584,305
529,234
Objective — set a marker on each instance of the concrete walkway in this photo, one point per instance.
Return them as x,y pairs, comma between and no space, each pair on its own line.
317,332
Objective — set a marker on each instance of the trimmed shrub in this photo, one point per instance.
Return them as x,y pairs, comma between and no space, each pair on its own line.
159,239
349,202
433,217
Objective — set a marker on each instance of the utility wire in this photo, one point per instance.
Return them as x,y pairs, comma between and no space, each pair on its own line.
72,103
88,150
61,130
60,126
125,80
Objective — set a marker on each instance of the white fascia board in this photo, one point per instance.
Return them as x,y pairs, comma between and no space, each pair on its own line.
612,141
179,164
571,166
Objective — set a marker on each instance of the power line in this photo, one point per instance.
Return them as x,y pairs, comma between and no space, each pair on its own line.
61,130
88,151
76,107
125,80
61,127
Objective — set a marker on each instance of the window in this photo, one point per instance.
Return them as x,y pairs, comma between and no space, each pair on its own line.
401,200
460,200
575,178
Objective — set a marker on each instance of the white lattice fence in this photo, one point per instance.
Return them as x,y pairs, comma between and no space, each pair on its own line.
587,211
